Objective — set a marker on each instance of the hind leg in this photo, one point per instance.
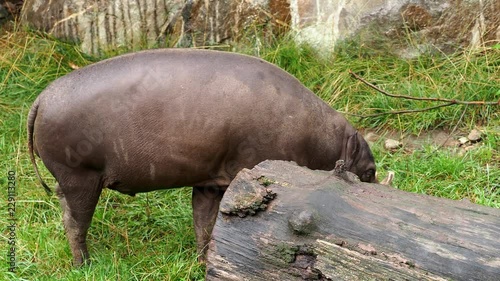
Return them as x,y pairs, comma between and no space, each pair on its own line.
78,194
205,202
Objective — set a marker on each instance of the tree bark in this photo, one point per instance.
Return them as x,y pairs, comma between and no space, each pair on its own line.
280,221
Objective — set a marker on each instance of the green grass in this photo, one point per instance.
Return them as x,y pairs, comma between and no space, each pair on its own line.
126,243
446,173
472,76
150,236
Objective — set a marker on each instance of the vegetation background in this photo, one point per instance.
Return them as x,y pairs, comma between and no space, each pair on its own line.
150,236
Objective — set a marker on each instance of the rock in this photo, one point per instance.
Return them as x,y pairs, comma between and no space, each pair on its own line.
391,144
111,24
441,24
446,25
371,137
107,24
463,140
474,136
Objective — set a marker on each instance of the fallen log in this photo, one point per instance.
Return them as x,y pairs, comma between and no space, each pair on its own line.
280,221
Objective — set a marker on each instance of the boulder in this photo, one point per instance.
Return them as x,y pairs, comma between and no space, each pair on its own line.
407,27
109,24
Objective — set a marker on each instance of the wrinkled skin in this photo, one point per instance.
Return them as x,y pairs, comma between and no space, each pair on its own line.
171,118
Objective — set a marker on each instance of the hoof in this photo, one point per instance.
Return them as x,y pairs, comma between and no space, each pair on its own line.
81,263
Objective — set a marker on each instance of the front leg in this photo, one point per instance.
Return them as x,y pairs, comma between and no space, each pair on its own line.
205,202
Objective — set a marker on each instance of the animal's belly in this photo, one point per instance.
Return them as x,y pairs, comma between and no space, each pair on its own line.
139,172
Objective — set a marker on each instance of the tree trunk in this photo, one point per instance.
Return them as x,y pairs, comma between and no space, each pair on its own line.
280,221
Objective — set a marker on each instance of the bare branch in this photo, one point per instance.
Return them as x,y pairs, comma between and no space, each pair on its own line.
450,134
400,111
449,101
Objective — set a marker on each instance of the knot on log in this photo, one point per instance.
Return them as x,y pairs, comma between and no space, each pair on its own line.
302,222
340,171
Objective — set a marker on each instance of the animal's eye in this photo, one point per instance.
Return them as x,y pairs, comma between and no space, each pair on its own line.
368,175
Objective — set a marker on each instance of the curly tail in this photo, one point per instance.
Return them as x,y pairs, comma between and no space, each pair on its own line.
31,126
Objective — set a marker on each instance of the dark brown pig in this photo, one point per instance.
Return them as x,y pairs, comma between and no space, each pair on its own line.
179,117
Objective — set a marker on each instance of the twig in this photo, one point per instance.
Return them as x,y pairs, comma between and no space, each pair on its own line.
449,101
450,134
400,111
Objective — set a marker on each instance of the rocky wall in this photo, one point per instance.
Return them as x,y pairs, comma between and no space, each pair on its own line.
409,27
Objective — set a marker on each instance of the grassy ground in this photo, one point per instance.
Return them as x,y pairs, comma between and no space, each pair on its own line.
150,236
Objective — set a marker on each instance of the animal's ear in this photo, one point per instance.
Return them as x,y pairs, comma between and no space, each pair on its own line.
352,149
